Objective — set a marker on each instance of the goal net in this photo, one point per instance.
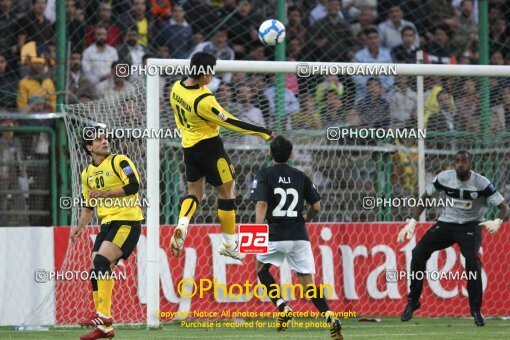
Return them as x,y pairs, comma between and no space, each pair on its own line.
354,243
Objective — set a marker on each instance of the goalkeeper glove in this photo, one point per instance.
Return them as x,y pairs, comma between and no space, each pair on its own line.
408,230
492,226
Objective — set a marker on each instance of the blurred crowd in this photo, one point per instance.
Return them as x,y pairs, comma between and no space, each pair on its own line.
104,34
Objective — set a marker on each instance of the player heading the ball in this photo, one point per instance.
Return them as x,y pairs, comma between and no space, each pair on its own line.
199,116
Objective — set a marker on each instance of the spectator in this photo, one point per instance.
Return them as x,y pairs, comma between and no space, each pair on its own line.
440,12
497,58
416,12
78,84
200,15
353,8
8,81
113,84
431,103
34,26
468,107
35,83
258,86
98,57
113,35
373,109
309,118
405,162
228,7
294,49
405,52
332,36
500,120
291,106
51,12
390,31
243,29
373,53
366,19
334,113
218,46
329,83
402,100
499,36
466,58
176,34
467,29
446,119
226,99
320,12
13,177
161,8
249,113
162,51
295,27
257,53
131,52
8,38
439,51
457,5
362,39
76,28
138,17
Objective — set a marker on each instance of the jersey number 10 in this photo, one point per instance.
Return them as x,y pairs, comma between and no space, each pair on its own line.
290,212
182,116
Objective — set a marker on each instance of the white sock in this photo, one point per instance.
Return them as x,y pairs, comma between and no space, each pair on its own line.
183,221
105,328
279,302
229,240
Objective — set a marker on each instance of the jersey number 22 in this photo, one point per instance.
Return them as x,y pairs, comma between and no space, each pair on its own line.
290,212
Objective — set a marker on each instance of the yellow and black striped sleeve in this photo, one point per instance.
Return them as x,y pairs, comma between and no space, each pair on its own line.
207,108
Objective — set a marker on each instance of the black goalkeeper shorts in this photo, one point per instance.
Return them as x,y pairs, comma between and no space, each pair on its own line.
208,159
124,234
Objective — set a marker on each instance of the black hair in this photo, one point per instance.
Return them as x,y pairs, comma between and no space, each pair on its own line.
201,62
281,149
371,29
465,153
374,79
407,28
88,132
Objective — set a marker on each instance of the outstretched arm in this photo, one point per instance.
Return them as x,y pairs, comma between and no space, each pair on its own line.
208,109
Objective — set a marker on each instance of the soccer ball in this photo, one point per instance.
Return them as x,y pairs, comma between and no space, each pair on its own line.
271,32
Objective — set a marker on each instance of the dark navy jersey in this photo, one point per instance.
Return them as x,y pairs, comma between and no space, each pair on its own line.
285,189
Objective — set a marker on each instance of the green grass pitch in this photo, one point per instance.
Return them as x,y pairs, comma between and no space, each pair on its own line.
388,328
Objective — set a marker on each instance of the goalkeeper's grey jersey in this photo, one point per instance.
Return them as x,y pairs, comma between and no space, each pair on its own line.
469,198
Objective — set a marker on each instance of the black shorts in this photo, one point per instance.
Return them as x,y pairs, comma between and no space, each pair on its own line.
208,158
124,234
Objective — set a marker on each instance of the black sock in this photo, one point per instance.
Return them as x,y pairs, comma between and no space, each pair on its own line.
318,301
268,280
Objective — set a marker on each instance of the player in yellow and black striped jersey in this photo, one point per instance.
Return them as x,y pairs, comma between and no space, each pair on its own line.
199,116
110,183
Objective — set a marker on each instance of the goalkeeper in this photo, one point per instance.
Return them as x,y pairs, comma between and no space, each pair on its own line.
199,116
460,223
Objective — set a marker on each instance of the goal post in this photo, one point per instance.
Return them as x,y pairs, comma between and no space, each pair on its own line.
153,213
153,101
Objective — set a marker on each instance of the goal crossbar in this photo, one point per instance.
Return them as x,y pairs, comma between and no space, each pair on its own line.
316,68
